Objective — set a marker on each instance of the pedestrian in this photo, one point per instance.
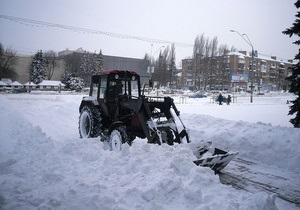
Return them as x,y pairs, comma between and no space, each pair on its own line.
228,100
220,99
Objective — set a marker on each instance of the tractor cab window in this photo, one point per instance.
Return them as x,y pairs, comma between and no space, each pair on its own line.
115,88
95,82
98,87
134,88
94,89
102,88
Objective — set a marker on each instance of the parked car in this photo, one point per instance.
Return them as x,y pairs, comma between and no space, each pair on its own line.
18,90
198,95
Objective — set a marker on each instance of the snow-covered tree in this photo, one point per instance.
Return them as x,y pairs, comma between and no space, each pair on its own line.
37,71
91,64
98,62
85,64
294,78
72,81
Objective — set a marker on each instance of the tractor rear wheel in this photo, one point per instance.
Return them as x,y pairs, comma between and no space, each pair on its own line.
89,122
118,137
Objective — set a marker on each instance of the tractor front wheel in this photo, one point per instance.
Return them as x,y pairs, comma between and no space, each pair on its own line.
118,137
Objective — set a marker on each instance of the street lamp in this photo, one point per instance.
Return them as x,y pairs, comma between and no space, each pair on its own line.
151,68
252,60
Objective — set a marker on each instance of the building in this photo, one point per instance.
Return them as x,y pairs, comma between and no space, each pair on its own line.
233,71
111,62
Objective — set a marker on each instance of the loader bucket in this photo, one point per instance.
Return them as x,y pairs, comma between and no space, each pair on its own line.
218,159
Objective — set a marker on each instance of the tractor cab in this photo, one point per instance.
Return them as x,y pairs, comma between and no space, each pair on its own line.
110,85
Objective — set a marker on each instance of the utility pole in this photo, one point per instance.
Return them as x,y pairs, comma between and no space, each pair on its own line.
252,61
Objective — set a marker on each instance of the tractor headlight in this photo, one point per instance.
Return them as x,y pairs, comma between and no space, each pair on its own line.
133,78
116,76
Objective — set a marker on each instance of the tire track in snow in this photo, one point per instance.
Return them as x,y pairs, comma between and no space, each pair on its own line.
252,177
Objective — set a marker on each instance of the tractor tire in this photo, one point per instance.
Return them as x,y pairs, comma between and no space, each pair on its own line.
89,122
118,137
168,136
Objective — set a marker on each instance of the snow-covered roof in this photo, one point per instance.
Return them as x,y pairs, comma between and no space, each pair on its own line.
3,83
29,84
16,83
264,58
237,53
51,83
7,81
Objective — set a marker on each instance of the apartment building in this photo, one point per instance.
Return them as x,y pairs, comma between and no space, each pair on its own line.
233,71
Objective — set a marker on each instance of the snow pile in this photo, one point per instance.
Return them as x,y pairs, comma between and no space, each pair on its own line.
45,165
272,145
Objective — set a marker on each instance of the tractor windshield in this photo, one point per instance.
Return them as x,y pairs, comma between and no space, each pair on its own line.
123,83
134,88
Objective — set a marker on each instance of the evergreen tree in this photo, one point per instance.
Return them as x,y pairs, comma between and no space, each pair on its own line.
97,63
65,77
295,76
72,81
85,64
37,71
100,60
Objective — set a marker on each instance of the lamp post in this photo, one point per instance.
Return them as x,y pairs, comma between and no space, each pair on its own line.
252,60
151,68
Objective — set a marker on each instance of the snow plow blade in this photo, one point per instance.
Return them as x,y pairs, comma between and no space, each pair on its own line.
217,161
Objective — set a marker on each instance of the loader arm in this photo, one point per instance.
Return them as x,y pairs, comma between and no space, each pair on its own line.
140,107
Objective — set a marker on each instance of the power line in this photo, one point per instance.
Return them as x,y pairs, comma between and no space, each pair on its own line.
37,23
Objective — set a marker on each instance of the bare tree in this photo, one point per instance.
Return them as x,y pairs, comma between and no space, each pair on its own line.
72,63
233,49
214,46
207,48
51,61
172,66
206,66
8,61
198,53
146,63
223,48
213,54
162,75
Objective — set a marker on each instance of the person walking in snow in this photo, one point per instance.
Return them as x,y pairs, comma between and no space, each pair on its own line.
228,100
220,99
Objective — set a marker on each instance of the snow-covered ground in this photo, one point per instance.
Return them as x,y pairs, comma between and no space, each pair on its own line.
45,165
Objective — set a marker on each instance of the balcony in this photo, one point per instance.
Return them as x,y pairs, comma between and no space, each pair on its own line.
241,59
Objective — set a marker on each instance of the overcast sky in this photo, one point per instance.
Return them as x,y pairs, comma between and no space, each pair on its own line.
171,20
